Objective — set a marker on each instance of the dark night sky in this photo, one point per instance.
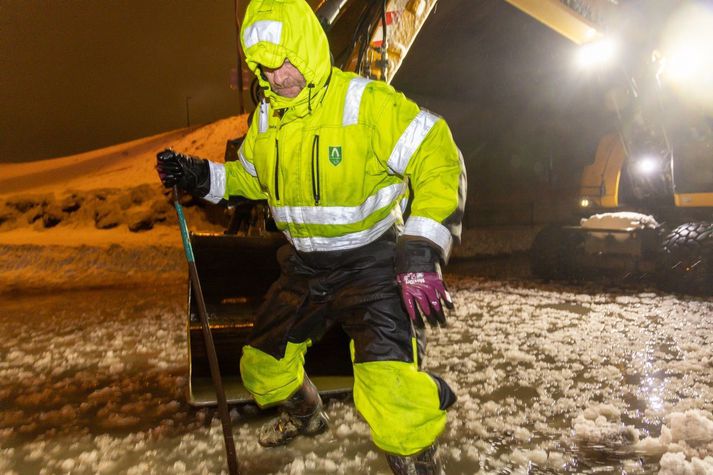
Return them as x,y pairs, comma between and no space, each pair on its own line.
80,74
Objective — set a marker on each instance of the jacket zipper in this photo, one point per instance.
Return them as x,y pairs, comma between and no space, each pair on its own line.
315,169
277,170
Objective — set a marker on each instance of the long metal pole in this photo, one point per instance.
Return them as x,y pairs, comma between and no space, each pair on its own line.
208,338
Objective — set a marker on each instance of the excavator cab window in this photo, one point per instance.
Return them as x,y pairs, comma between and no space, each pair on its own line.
693,164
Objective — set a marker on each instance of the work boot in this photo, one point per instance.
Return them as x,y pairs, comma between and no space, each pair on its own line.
423,463
302,415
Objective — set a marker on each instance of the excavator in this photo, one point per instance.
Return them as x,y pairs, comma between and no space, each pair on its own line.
372,38
646,201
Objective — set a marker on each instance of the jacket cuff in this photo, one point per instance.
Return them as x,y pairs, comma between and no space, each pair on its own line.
434,232
416,255
217,182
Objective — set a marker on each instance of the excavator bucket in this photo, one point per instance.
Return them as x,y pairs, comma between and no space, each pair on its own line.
235,273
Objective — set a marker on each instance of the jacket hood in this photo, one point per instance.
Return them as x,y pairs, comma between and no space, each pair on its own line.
275,30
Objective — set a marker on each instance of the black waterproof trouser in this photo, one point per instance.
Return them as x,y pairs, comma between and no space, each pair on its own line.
356,289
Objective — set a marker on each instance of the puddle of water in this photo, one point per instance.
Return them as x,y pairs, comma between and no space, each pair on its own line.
549,381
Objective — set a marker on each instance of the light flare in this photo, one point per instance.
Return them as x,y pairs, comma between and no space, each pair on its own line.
647,165
597,53
687,64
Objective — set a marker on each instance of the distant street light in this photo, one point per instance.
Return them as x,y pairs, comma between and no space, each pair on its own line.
239,63
188,111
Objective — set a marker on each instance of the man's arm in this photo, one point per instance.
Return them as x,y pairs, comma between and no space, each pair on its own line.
240,175
418,145
209,180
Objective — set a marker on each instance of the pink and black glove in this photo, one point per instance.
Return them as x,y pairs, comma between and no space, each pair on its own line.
422,294
422,288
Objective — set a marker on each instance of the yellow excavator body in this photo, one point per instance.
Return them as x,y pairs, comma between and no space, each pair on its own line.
600,180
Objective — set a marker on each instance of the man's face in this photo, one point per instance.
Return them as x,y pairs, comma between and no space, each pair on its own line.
286,80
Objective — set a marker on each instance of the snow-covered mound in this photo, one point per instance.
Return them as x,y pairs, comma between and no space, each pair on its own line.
104,215
112,187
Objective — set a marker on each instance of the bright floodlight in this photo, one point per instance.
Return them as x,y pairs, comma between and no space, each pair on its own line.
687,45
685,63
597,53
647,166
584,203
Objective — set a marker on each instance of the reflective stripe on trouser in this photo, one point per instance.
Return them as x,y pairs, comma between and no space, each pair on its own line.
272,380
401,405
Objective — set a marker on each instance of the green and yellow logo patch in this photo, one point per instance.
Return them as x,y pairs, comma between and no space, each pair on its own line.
335,155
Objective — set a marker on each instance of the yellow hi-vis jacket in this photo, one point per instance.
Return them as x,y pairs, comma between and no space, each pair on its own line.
334,163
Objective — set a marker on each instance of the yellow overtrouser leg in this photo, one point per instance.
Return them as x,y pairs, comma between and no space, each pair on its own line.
270,380
401,405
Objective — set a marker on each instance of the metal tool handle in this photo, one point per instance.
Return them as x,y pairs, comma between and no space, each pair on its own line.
208,338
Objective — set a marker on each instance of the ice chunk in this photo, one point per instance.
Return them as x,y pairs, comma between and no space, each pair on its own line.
602,432
522,434
518,356
67,465
676,464
692,426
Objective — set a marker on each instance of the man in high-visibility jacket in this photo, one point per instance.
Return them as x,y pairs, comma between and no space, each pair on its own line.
334,154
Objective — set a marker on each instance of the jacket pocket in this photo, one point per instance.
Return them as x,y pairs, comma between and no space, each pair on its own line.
316,185
341,155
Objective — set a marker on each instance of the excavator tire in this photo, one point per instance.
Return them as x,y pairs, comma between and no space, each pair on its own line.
553,253
686,259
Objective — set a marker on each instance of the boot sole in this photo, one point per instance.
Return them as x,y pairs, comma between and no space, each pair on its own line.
324,426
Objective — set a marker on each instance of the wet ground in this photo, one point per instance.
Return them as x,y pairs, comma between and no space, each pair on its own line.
551,378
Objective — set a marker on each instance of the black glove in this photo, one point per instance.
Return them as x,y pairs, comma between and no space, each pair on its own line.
422,288
191,174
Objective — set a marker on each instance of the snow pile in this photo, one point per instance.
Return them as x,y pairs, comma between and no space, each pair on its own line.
120,166
676,464
103,198
685,443
623,220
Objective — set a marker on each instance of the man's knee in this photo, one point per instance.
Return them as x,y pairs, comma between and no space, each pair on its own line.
403,406
271,380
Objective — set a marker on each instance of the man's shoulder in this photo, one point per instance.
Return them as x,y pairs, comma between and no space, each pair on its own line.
368,95
372,85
